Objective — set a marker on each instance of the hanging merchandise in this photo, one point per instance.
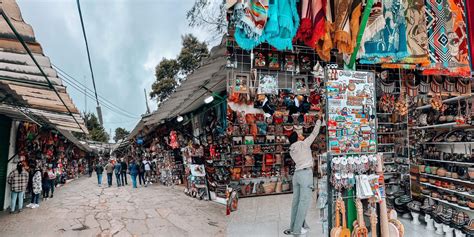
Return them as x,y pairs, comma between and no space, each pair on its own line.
313,22
250,18
325,44
417,36
390,43
347,20
470,26
447,38
258,21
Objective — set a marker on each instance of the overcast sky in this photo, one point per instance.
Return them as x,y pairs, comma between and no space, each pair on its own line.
127,38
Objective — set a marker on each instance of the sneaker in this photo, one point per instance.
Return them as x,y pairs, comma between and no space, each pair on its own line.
35,206
304,231
30,205
51,196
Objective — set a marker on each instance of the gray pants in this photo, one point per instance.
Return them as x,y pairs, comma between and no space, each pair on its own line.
303,186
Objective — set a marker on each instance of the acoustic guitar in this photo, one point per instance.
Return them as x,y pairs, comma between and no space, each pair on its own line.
345,232
360,230
336,230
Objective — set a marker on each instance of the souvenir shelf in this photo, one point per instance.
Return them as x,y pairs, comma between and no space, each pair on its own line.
443,166
392,132
271,93
171,169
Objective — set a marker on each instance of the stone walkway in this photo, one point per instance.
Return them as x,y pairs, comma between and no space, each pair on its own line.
82,209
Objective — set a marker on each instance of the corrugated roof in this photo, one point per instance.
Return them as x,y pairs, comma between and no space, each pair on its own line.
190,95
22,81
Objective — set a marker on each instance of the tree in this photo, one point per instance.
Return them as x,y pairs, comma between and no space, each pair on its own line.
191,54
120,133
96,131
166,74
209,15
170,72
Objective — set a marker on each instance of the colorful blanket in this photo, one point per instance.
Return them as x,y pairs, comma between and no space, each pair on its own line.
250,18
374,25
470,20
447,38
417,39
390,43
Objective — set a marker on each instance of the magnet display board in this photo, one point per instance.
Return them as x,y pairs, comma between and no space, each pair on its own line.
351,112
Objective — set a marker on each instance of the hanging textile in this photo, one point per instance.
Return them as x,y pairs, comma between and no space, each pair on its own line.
390,43
447,38
374,25
417,39
470,22
346,23
284,21
250,18
280,25
313,19
325,43
304,33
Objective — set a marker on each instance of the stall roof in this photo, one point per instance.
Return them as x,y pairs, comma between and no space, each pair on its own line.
73,139
190,95
22,81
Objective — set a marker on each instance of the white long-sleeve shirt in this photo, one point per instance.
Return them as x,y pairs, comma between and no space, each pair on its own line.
300,151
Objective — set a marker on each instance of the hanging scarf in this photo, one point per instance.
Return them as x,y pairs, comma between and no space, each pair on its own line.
416,31
313,19
389,44
470,23
343,12
304,33
448,49
325,43
250,18
374,25
285,15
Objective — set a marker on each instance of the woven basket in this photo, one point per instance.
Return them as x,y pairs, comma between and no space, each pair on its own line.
269,187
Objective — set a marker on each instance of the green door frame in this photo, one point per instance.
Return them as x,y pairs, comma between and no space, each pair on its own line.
5,129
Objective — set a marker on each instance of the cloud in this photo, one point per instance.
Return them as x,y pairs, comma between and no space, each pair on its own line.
127,39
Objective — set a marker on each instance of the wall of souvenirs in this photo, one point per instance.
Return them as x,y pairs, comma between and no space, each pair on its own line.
49,149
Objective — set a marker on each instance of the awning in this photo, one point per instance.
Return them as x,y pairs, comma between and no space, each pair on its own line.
190,95
15,113
73,139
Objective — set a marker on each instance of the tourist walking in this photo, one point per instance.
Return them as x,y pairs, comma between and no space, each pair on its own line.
18,180
303,181
91,169
99,170
141,172
109,169
118,171
52,180
37,188
46,185
147,166
133,169
124,172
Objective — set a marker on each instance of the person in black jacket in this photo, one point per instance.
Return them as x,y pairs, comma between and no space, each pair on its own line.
99,169
141,172
124,172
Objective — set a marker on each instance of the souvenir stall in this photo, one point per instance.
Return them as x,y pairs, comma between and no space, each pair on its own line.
392,132
274,88
442,165
195,172
165,155
398,127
